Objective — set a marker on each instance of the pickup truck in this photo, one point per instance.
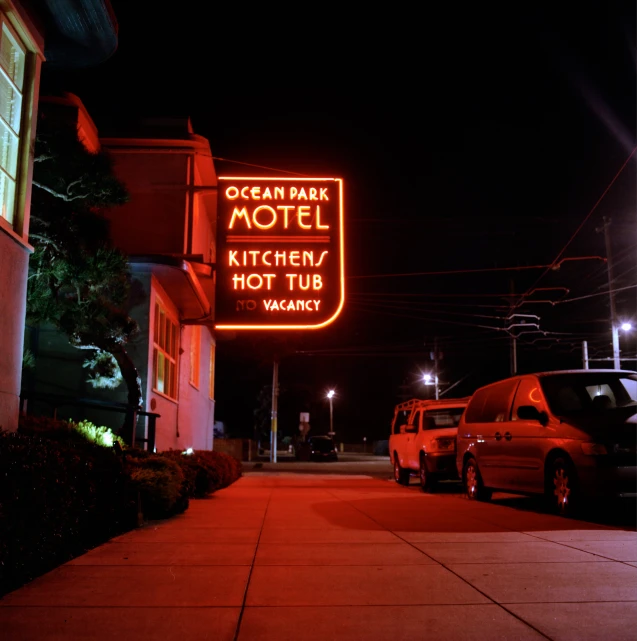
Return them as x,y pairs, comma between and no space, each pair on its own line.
423,440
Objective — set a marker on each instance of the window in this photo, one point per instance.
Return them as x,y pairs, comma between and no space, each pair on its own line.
586,392
414,426
400,419
195,351
211,391
12,59
491,404
165,346
448,417
528,394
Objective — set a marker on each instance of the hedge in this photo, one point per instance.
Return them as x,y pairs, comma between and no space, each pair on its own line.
58,499
64,490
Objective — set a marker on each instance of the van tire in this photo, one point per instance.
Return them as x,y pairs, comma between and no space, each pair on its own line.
401,475
472,482
427,483
561,486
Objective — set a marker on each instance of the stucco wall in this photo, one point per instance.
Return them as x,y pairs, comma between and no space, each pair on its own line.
13,267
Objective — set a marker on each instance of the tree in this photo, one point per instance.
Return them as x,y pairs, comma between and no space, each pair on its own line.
78,281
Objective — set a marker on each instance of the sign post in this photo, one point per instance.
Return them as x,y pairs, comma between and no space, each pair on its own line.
280,253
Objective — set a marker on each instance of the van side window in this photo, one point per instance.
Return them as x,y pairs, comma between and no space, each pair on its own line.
493,404
528,393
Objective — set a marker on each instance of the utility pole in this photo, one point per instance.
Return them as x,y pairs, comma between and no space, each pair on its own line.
611,293
436,389
273,418
585,354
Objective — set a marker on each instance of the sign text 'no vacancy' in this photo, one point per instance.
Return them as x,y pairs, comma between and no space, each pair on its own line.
280,257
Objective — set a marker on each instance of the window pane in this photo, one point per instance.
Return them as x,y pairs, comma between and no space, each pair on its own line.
161,372
528,394
12,57
10,103
162,330
7,197
8,150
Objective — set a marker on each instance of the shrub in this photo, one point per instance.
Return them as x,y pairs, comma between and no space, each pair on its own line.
206,471
160,482
58,498
101,435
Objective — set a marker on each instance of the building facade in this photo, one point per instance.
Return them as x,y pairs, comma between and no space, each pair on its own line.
167,230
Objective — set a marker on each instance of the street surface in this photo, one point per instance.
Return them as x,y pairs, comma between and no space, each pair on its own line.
317,551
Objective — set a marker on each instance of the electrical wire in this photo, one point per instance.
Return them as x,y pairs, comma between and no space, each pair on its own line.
590,213
248,164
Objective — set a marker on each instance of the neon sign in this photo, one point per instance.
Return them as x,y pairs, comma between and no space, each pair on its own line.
280,255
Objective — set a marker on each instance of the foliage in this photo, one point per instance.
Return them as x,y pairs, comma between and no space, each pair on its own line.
78,281
68,431
99,435
58,498
160,483
104,372
205,471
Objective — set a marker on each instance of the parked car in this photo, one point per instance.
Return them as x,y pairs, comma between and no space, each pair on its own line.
322,448
566,434
423,440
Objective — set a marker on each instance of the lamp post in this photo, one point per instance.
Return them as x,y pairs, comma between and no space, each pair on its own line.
330,396
432,380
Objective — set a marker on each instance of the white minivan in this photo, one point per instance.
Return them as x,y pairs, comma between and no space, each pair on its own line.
566,434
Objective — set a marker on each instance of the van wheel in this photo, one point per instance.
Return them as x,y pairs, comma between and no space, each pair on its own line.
473,482
427,484
561,487
401,476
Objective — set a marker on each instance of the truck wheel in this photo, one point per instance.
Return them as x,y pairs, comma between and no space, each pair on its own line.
401,476
427,484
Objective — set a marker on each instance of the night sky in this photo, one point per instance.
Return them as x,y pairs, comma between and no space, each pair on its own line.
469,140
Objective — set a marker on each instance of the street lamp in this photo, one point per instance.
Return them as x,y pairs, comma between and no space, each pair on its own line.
330,396
431,380
626,327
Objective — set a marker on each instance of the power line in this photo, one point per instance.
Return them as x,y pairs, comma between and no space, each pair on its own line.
590,213
248,164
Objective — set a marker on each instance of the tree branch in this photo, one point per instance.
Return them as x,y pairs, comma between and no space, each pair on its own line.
57,194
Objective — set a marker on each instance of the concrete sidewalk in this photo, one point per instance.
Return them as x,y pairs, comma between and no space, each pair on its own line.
299,557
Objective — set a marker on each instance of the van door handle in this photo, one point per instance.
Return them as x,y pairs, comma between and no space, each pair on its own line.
507,436
498,436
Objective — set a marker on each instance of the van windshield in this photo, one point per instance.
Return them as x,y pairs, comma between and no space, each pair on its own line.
589,393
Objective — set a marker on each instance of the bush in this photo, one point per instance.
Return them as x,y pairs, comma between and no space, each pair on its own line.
205,471
160,482
58,498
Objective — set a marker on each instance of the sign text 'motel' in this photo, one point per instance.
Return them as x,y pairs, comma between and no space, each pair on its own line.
280,262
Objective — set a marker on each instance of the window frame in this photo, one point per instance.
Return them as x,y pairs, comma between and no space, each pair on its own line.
11,218
172,359
194,377
211,371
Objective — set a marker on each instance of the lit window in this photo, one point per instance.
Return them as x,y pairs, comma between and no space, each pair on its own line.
165,346
195,350
12,60
211,391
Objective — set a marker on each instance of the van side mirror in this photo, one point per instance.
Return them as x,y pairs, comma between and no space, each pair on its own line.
531,413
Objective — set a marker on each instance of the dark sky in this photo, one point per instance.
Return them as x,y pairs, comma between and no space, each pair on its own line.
469,139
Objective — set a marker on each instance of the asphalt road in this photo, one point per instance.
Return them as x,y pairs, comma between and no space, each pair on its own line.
618,514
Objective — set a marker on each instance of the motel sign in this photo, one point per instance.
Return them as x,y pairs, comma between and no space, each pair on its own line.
280,262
